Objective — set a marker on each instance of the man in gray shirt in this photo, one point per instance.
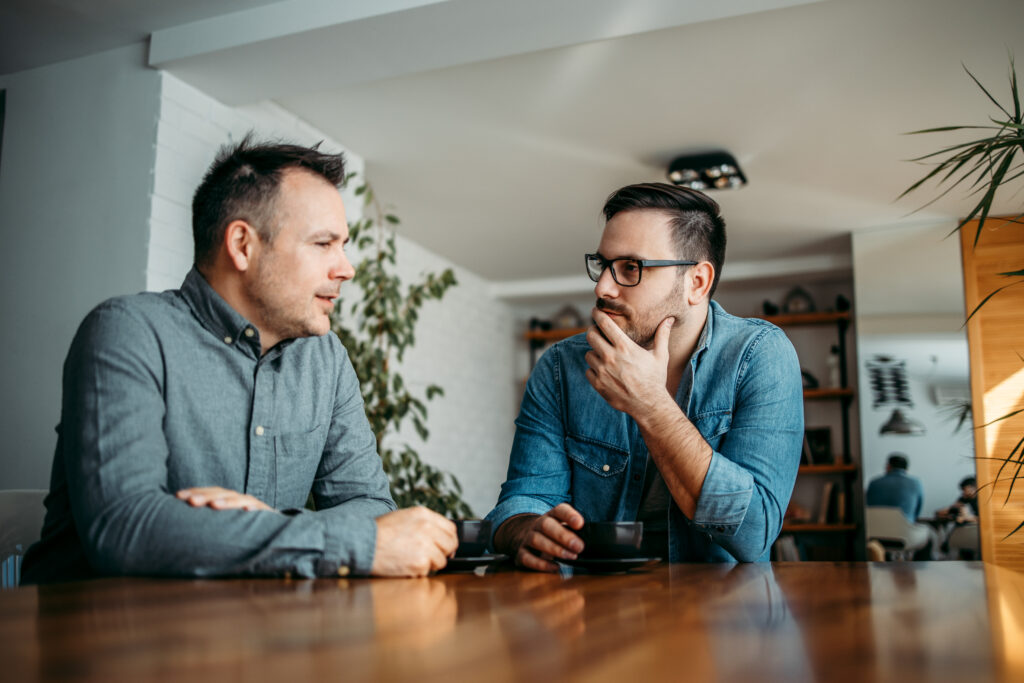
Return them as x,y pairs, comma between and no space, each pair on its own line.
195,422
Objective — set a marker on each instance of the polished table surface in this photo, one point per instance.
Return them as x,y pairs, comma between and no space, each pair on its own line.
928,621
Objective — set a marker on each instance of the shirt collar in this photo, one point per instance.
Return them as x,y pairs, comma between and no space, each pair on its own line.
704,341
217,315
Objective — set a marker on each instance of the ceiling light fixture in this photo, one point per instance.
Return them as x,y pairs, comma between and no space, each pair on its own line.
707,171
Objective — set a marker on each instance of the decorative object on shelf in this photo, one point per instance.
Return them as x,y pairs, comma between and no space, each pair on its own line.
567,318
835,378
538,324
842,303
377,326
810,381
798,301
900,424
888,379
769,308
818,441
716,170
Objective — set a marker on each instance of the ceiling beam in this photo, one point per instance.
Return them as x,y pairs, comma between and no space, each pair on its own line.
311,45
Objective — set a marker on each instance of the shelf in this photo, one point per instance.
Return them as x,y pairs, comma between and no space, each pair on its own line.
818,394
838,468
814,527
552,335
794,319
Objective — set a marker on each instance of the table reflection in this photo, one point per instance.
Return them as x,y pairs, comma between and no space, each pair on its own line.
791,622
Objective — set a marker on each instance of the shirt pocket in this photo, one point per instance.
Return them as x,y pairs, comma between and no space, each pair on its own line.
297,457
598,477
713,426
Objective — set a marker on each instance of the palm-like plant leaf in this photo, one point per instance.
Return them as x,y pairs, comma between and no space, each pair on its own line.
982,166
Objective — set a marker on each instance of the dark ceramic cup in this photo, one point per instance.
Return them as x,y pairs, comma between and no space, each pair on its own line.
611,540
474,535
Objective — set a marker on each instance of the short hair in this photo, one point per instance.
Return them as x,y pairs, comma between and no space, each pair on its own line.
969,481
698,228
898,461
242,184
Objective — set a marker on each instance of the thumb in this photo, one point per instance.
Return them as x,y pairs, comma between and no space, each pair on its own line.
661,337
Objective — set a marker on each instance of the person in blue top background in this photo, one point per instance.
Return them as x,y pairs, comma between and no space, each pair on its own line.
897,489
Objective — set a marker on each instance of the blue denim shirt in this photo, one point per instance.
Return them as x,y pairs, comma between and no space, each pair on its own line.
746,399
165,391
897,489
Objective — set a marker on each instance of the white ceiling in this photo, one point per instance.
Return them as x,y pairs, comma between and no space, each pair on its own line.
498,128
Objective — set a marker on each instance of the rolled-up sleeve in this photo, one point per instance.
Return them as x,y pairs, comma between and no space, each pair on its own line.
538,476
751,475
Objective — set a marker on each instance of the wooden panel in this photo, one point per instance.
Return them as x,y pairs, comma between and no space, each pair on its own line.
996,339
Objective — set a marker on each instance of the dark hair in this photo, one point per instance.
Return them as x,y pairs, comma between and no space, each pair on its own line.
698,228
968,481
242,184
898,461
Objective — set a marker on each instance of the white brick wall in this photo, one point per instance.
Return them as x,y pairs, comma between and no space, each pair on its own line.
465,343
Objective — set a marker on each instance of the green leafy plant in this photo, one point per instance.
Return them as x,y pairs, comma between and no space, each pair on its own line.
377,328
981,167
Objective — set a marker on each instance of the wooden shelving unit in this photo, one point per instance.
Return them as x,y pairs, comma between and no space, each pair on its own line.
843,473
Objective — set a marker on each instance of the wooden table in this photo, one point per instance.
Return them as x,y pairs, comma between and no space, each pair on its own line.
933,621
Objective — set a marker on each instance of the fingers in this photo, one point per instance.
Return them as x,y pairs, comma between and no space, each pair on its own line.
612,332
413,542
564,512
220,498
661,337
524,558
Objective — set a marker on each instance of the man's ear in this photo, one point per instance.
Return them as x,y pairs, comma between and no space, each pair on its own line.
701,276
240,243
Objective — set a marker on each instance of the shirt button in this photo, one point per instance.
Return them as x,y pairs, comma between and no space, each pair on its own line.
343,570
636,477
249,332
259,430
227,340
605,468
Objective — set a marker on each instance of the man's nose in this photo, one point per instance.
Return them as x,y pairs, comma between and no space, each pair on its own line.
606,287
342,268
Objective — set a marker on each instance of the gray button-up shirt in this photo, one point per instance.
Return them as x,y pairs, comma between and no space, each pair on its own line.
169,391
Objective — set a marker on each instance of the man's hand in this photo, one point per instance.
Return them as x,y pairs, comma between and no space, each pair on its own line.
412,542
534,539
626,375
220,499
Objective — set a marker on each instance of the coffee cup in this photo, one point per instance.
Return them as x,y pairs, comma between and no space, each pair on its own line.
611,540
474,535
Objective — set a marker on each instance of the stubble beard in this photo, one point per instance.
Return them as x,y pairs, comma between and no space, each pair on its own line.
641,328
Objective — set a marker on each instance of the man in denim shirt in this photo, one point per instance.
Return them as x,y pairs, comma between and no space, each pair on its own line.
668,410
195,422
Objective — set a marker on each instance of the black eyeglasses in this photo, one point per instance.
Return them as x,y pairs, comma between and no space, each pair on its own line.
626,271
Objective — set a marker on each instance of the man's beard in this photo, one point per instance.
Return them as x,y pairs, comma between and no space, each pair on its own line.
641,328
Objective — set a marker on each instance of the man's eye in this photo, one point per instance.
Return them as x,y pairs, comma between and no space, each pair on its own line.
629,266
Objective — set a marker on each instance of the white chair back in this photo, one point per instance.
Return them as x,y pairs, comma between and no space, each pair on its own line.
891,527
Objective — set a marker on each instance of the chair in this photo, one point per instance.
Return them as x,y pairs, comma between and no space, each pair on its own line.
964,543
21,521
894,531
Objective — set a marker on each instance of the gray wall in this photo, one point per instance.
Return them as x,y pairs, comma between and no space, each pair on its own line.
75,184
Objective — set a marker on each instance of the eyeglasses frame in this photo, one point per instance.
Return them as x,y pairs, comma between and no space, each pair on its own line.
643,263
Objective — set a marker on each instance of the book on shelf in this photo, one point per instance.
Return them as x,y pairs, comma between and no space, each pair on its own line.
840,507
826,500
